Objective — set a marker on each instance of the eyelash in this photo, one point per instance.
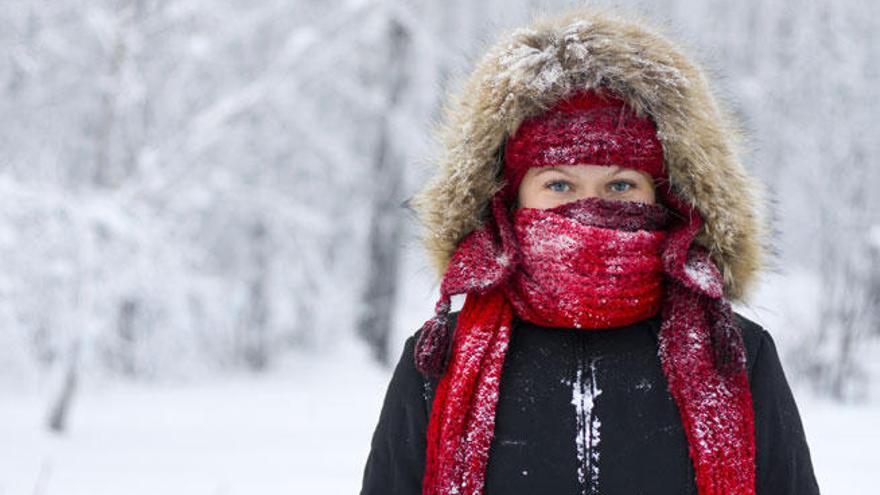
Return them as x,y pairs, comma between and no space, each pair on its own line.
630,184
549,184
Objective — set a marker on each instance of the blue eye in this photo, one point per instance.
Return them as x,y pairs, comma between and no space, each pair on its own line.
614,186
550,185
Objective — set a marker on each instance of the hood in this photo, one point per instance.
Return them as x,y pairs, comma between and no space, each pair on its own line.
528,69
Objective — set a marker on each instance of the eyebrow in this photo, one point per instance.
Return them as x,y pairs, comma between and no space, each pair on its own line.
615,169
558,168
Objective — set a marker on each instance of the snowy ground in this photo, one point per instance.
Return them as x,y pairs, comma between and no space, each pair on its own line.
306,425
305,428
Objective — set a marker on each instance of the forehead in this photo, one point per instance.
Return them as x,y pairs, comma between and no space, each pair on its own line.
583,170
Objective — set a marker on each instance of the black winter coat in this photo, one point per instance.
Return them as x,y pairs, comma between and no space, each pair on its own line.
642,445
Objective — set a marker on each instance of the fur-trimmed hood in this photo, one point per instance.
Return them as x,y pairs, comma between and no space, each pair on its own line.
529,69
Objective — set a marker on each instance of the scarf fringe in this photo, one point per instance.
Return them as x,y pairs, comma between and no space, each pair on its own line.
433,347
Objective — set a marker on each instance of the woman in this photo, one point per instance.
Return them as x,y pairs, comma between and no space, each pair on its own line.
591,207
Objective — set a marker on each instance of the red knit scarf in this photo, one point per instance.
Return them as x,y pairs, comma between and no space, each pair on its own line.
591,263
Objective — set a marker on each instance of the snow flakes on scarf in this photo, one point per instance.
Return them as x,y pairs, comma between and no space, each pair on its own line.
458,444
576,274
716,408
485,258
701,275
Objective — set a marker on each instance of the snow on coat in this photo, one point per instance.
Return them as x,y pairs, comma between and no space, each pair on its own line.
589,413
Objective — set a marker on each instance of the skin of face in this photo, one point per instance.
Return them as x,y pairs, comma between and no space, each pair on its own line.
547,187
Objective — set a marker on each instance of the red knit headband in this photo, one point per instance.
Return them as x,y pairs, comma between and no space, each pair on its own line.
585,127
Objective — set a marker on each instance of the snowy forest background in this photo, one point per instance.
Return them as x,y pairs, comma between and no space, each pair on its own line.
207,267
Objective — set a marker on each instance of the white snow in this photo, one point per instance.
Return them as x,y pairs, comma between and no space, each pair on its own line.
843,442
705,276
304,428
874,236
584,391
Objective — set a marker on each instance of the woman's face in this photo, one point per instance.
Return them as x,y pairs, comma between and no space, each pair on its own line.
547,187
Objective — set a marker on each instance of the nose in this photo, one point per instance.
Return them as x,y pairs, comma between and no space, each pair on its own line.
592,189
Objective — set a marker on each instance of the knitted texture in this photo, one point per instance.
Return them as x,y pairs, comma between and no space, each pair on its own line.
589,127
591,263
715,407
577,274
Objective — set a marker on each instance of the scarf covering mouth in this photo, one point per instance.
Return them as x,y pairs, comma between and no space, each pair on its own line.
590,263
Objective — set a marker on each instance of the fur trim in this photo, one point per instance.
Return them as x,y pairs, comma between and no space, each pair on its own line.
529,69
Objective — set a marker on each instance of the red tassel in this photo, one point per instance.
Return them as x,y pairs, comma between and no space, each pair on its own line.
433,347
